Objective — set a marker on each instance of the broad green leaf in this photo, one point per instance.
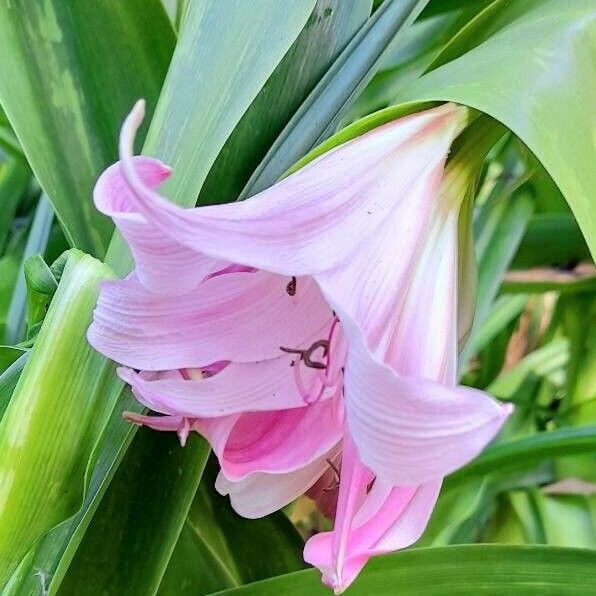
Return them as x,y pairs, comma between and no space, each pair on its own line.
317,117
471,569
53,421
329,28
219,549
546,98
196,114
119,553
70,70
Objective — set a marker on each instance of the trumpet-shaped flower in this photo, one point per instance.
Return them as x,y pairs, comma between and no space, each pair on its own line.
309,333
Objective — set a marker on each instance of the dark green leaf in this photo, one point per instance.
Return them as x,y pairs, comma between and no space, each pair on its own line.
319,114
219,549
127,547
525,453
329,28
14,179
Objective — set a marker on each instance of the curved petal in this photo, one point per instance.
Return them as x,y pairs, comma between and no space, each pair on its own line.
283,441
391,518
317,218
241,317
409,430
239,387
163,265
260,494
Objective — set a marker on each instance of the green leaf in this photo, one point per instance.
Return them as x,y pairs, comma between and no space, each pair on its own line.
41,286
318,116
70,71
546,98
471,569
551,239
9,272
330,27
524,453
57,412
410,54
543,279
13,362
504,310
36,242
510,217
219,549
122,552
14,180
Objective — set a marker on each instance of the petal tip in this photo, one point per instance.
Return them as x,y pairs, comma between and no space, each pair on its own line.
507,409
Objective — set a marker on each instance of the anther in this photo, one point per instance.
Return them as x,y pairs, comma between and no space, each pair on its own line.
291,287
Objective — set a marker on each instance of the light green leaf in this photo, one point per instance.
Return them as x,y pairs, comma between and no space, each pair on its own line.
54,419
70,71
546,98
454,570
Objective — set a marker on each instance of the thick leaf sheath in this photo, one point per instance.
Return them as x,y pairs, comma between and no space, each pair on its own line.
56,414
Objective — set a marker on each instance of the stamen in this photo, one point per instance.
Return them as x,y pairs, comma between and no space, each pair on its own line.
324,379
321,343
291,287
335,469
335,485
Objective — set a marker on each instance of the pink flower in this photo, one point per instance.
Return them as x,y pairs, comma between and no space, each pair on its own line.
309,333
